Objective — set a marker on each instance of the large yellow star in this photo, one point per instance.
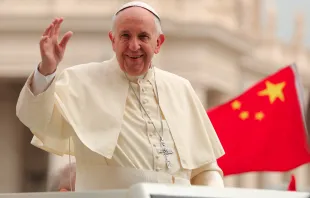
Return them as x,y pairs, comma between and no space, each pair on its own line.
236,105
273,91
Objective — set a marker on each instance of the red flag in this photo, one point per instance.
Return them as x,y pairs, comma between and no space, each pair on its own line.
263,129
292,184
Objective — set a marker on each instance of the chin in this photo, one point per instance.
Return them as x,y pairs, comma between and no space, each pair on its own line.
133,73
136,72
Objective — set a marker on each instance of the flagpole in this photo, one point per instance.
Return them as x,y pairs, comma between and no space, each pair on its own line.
301,99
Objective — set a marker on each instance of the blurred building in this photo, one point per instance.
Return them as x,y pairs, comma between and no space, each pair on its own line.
220,46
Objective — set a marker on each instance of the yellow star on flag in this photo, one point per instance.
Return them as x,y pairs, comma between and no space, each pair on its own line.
236,105
244,115
259,115
273,91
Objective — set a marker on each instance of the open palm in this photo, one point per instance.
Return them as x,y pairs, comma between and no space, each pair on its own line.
52,52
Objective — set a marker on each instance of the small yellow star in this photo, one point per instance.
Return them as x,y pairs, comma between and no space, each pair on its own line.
244,115
259,115
236,105
273,91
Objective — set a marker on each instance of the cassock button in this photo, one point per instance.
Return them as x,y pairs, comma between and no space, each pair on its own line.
143,90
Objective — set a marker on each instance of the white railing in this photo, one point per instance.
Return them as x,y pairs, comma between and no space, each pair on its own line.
166,191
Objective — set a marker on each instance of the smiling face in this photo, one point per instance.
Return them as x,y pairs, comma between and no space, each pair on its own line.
135,39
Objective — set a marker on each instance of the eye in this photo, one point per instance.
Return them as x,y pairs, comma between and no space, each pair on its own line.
125,35
143,37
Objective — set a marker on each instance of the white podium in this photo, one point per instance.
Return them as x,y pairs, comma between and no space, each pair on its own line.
166,191
174,191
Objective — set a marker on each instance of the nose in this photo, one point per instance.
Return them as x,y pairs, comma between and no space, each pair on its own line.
134,44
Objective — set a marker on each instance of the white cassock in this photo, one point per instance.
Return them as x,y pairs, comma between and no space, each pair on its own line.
92,111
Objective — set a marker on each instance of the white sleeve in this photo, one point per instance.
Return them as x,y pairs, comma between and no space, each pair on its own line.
209,174
40,82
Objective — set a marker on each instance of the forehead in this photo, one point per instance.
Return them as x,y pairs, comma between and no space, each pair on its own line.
135,18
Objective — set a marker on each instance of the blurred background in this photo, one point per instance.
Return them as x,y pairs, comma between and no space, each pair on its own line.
221,46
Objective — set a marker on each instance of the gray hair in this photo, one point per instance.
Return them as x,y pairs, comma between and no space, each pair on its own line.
156,21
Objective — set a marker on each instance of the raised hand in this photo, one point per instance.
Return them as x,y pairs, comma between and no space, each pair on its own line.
52,52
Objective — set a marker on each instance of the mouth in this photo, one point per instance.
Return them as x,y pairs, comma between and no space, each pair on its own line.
135,57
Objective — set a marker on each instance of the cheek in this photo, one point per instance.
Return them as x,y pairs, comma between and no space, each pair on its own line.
149,48
120,49
115,44
119,46
113,47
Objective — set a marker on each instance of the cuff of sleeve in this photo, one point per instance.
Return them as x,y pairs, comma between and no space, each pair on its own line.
40,82
207,167
40,76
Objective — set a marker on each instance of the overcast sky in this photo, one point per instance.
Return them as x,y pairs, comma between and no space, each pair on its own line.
286,10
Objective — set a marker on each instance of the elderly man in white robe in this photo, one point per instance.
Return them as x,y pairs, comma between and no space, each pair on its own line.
125,120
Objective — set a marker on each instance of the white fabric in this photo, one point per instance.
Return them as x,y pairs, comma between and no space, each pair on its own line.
41,82
91,104
138,4
85,95
137,145
121,178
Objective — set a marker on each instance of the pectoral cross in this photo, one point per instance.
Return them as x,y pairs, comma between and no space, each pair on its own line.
166,152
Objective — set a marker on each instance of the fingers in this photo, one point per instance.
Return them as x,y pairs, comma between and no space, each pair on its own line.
65,39
57,26
42,41
52,33
47,30
53,29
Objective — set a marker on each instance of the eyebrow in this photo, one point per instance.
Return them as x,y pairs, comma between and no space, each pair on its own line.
144,33
141,33
124,31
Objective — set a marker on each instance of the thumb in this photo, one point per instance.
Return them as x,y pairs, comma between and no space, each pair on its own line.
65,39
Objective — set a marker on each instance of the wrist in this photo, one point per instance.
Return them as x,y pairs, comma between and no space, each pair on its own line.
45,72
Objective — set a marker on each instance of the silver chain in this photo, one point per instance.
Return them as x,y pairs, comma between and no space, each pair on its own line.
158,105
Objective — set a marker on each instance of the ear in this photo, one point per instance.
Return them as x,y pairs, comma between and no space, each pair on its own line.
111,36
112,39
160,41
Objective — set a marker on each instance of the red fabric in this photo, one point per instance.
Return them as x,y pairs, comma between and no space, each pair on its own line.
277,142
292,184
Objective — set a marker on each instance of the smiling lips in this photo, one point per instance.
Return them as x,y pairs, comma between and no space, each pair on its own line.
135,57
